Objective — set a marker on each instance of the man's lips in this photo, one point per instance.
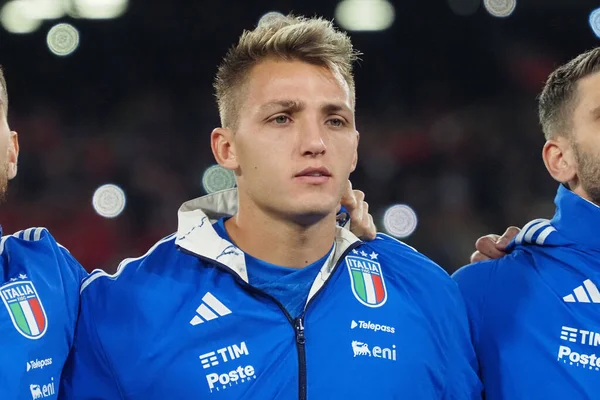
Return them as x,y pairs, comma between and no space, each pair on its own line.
314,172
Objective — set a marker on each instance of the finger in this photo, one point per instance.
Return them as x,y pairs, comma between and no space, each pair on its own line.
505,239
348,190
359,195
477,257
372,228
364,217
365,229
485,240
368,219
358,213
350,203
348,199
487,246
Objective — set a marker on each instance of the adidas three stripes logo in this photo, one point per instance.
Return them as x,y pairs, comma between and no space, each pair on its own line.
210,308
586,293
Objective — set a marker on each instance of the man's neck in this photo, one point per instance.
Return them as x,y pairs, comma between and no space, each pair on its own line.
279,241
578,189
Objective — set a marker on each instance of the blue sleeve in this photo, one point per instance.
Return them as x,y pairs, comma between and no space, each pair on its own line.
88,373
72,274
463,368
79,272
449,323
473,282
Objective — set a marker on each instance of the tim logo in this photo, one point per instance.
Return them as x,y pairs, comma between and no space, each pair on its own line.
224,355
25,308
368,285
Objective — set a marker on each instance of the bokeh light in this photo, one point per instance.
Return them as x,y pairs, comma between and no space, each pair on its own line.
217,178
62,39
271,15
16,17
109,200
500,8
400,220
365,15
46,9
595,22
99,9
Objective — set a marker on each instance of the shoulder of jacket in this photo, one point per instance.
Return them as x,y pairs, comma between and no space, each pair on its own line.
403,259
383,239
129,266
32,239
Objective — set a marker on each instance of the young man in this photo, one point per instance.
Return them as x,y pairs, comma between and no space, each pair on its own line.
39,289
534,313
259,295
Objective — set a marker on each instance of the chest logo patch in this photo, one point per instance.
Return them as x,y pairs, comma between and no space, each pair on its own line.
25,308
368,285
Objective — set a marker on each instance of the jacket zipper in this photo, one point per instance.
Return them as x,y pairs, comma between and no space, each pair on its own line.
299,327
297,324
300,341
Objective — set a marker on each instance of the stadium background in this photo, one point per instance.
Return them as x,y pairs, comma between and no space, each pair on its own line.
446,107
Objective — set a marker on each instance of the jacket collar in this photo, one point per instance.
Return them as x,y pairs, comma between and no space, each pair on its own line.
576,218
196,234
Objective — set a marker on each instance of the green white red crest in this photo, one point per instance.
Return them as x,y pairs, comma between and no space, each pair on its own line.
25,308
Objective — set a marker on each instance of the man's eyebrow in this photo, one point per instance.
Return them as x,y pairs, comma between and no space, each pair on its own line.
288,105
331,108
296,106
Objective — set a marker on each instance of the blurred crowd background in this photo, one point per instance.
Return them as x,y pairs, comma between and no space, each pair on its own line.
446,107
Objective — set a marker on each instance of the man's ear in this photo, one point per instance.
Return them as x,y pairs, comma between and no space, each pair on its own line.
355,158
559,159
222,144
13,154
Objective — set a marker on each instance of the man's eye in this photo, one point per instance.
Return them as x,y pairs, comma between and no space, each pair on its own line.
337,122
281,119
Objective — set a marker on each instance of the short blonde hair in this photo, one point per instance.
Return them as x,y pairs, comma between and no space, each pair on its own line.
312,40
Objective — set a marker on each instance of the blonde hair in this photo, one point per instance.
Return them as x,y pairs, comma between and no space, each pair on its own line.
311,40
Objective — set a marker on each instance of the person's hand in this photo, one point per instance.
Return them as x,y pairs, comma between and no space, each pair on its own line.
493,246
361,222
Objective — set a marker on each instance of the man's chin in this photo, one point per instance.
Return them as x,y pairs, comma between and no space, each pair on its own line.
311,213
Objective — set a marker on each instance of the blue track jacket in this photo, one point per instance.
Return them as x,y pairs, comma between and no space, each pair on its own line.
39,288
183,322
535,313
